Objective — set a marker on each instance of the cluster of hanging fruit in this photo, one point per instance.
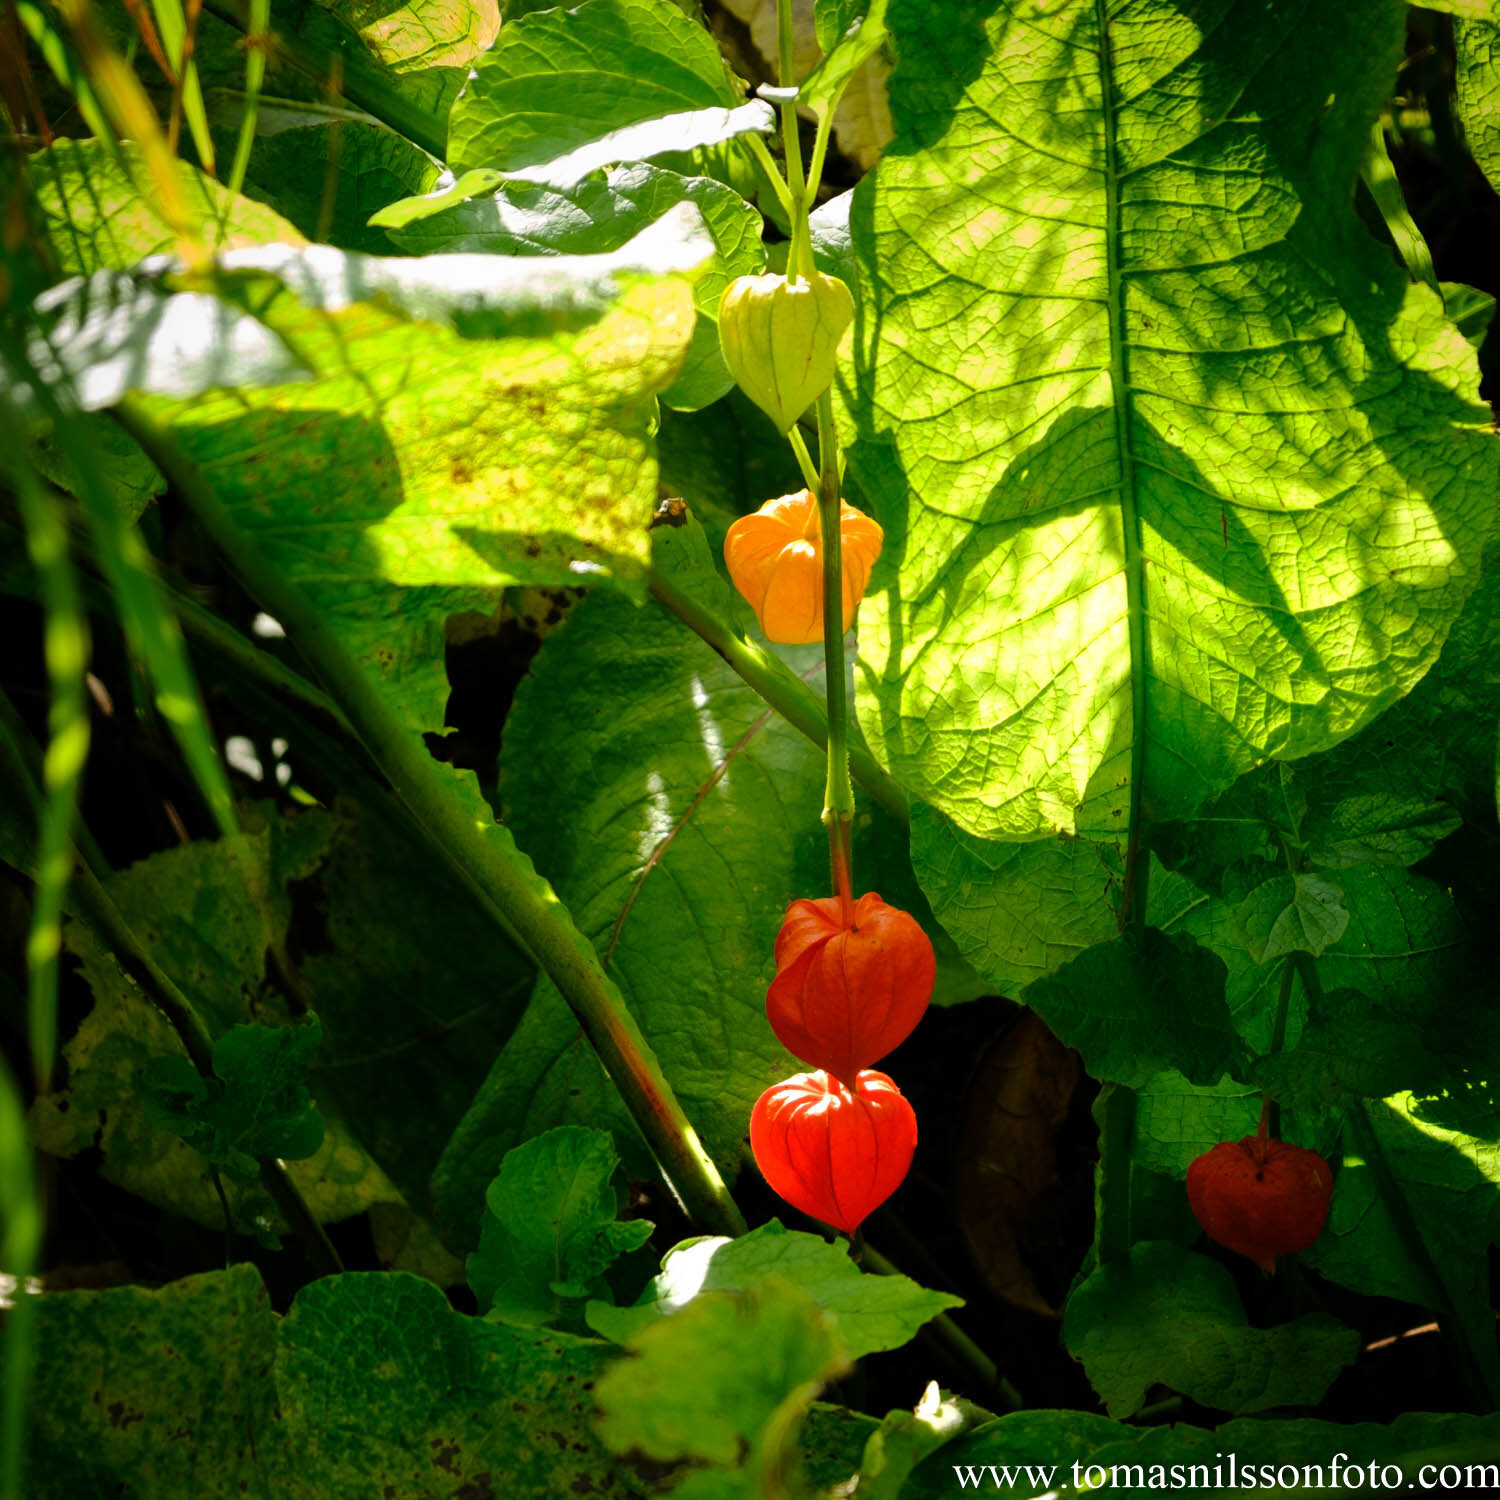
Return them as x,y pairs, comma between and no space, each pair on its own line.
850,987
852,977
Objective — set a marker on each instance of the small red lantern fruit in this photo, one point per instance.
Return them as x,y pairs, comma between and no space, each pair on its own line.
835,1153
1260,1197
845,996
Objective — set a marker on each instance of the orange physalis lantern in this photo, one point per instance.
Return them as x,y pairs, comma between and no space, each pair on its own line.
775,558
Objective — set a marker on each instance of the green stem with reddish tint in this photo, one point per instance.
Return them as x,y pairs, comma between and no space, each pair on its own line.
838,796
485,857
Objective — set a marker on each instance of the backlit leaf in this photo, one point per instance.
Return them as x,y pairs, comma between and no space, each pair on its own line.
870,1312
560,79
1178,470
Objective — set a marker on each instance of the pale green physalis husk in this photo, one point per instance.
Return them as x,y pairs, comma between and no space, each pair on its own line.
780,339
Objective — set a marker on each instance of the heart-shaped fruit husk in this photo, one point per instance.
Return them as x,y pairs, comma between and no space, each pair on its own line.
835,1153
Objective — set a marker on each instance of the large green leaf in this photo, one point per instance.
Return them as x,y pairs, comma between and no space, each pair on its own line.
870,1312
1176,1121
383,1386
1351,1048
162,1393
1177,471
98,211
1018,911
90,208
421,34
1476,47
489,420
560,79
371,166
551,1227
1163,1314
465,464
600,214
709,1381
1140,1003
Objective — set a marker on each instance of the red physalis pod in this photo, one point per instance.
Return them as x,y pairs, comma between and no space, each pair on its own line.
845,996
835,1153
1260,1197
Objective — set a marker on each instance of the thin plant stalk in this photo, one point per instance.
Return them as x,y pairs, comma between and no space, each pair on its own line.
810,475
66,651
257,42
838,796
124,100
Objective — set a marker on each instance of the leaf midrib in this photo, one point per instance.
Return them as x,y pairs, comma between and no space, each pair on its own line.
1133,903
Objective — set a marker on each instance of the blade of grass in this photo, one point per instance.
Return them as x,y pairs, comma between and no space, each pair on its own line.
123,99
66,650
149,624
187,95
20,1244
58,53
257,42
1385,188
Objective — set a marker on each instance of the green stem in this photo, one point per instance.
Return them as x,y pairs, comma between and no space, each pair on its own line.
1112,1190
257,41
1278,1037
484,856
781,689
761,154
799,253
20,1246
819,153
360,80
838,796
810,476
